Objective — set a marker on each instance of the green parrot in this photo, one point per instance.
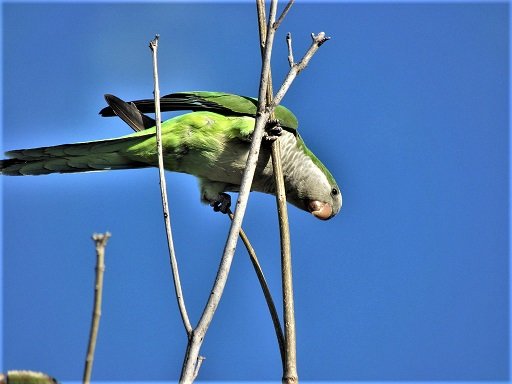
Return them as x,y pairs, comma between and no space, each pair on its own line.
211,143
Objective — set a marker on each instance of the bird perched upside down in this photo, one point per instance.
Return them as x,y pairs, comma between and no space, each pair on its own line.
211,143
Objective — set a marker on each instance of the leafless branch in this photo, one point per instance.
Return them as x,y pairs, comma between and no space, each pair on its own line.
262,26
295,69
283,15
290,367
290,356
163,190
290,49
100,241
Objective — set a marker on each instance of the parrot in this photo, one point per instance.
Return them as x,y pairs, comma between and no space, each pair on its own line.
211,142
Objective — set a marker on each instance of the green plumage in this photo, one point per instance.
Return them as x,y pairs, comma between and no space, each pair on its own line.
211,143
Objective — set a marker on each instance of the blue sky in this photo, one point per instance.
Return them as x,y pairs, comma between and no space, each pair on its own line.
407,106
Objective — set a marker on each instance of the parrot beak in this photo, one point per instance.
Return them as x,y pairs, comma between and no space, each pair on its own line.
322,211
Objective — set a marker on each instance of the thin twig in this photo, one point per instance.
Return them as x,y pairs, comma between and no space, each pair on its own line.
266,290
198,365
290,49
318,40
163,190
100,241
290,369
283,15
199,332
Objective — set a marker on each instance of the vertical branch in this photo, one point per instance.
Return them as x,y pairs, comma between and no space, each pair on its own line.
290,349
262,27
163,190
290,368
101,242
262,24
265,77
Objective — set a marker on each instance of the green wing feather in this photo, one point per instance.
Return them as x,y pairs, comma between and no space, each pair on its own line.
222,103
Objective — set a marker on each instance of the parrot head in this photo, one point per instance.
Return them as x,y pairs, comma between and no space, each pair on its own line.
327,207
312,187
322,201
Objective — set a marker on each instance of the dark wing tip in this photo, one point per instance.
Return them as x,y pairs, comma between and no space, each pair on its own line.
108,111
128,112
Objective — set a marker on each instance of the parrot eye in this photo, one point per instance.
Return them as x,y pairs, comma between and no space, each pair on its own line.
334,191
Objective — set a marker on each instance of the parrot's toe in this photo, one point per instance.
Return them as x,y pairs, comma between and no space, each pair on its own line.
222,204
272,130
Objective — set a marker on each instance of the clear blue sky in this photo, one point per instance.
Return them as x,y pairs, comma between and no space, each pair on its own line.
408,107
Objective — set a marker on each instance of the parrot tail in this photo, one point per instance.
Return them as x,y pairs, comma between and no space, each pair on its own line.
89,156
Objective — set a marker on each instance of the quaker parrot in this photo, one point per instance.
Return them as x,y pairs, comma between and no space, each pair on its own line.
211,143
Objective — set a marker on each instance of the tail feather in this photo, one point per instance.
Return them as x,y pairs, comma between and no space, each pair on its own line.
70,158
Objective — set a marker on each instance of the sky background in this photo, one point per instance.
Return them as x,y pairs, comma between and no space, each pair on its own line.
407,105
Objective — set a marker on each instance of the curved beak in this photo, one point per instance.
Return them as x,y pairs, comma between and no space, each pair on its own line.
322,211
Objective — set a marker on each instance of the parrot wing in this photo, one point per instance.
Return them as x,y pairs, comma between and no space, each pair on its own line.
222,103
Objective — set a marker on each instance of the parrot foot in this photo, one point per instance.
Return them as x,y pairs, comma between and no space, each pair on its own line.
272,130
222,204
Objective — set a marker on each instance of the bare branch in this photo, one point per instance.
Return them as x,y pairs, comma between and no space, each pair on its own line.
318,40
290,369
265,76
262,23
163,190
283,15
262,27
198,366
289,355
101,242
290,49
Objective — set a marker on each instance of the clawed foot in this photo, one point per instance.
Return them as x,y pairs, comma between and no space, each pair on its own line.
272,130
222,204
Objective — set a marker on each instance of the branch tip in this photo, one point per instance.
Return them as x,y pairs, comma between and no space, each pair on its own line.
101,238
291,60
320,38
153,44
